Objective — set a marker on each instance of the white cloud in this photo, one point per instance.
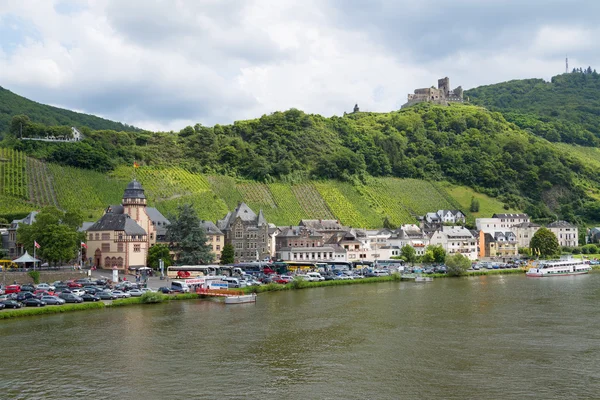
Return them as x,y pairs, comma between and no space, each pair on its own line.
167,64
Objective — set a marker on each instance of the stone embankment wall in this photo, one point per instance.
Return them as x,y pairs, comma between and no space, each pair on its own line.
45,276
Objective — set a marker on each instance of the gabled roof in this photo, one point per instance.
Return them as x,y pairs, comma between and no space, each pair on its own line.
210,228
117,222
115,209
526,225
156,216
296,231
322,224
246,215
28,220
510,216
560,224
85,226
261,218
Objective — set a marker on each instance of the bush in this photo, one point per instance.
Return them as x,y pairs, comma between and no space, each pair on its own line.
24,312
35,275
589,249
153,297
576,250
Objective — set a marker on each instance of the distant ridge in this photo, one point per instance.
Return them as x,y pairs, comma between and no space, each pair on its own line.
12,104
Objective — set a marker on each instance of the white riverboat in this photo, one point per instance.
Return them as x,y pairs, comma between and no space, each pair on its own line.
248,298
559,268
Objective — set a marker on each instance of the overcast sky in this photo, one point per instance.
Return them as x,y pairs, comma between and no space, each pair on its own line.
162,65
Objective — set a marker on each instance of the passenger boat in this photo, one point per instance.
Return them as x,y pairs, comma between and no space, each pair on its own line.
248,298
423,279
559,268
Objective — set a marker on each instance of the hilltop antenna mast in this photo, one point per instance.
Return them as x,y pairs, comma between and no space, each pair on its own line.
567,64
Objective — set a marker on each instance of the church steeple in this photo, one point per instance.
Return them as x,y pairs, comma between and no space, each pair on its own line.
134,194
356,109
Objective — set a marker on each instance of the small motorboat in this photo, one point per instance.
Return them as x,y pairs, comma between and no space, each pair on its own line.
246,298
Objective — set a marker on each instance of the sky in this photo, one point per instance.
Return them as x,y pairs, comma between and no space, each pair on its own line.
163,65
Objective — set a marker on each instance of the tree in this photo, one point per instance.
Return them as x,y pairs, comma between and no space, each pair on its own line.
428,257
408,253
457,264
158,252
227,254
58,241
474,205
188,238
439,254
544,243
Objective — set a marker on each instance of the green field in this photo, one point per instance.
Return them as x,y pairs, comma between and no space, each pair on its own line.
29,184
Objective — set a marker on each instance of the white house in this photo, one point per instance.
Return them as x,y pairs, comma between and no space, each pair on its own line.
566,233
456,239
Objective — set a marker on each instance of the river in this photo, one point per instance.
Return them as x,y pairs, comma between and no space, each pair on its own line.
495,337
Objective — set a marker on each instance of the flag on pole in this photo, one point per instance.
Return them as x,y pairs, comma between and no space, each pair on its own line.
36,244
84,245
135,164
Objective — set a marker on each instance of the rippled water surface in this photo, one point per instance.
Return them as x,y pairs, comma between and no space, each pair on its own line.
498,337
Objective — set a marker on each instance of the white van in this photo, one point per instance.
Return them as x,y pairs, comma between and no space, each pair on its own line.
315,276
180,286
234,283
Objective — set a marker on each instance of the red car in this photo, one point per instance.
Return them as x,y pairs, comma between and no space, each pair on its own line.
73,284
13,289
283,279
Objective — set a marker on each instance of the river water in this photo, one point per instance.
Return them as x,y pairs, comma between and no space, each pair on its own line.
496,337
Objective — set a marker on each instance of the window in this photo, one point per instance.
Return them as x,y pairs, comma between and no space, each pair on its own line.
105,247
218,238
218,247
106,236
97,237
120,247
136,248
239,234
91,236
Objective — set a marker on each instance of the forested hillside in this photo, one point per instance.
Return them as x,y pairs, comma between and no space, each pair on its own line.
566,109
12,104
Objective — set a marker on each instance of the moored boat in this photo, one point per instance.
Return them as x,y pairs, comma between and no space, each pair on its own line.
559,268
247,298
423,279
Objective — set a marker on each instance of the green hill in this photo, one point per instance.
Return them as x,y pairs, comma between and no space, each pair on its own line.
12,104
566,109
359,168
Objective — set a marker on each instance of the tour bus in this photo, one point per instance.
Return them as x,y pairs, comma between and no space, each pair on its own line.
304,266
7,264
251,268
390,264
187,271
335,266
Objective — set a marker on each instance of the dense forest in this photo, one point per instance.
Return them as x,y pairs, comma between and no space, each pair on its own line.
566,109
12,104
506,155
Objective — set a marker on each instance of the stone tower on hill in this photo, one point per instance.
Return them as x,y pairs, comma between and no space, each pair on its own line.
442,95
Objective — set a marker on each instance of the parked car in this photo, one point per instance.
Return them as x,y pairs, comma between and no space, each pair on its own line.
27,288
77,292
70,298
135,293
315,276
33,302
52,300
106,295
283,279
11,304
46,287
73,284
22,296
1,306
121,294
85,282
12,289
165,290
89,297
144,290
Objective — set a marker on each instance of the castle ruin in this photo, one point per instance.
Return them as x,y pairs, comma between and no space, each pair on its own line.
442,95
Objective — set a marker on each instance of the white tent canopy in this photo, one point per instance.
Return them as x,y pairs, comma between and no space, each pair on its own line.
26,258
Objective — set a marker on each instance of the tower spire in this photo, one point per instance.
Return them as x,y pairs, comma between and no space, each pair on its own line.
566,64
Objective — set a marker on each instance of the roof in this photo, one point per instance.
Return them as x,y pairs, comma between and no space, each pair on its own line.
117,222
25,258
246,215
115,209
560,224
28,220
85,226
510,216
210,228
156,216
295,231
134,190
322,224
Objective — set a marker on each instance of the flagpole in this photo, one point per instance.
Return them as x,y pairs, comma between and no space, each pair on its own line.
34,255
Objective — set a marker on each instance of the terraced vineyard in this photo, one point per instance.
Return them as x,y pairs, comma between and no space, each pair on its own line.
13,174
41,188
88,191
487,205
312,203
363,206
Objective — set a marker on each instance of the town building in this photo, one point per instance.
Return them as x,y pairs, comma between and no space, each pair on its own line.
434,221
442,95
122,237
327,227
412,235
214,238
524,232
498,245
247,232
456,239
15,249
565,232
